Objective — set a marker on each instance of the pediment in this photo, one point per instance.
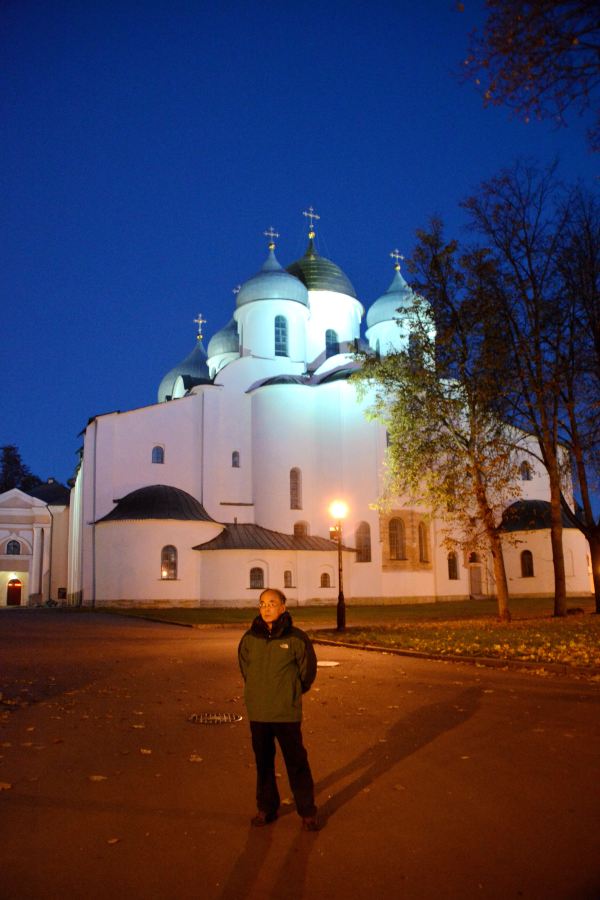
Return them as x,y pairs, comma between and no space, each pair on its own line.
17,499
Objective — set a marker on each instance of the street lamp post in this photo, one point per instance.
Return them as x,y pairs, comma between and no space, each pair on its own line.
339,510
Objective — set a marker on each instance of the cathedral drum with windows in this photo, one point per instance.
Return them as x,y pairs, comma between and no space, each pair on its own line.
223,486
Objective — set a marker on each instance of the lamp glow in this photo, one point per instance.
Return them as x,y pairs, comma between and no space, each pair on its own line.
338,509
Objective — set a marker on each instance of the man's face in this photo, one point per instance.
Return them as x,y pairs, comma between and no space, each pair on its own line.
271,607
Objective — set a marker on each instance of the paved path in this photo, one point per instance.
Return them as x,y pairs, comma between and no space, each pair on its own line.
436,780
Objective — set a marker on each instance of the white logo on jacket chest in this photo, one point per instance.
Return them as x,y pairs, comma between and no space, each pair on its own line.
285,646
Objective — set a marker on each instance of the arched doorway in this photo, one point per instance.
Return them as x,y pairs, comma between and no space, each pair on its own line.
475,579
13,592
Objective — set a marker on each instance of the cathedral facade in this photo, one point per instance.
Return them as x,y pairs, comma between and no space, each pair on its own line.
224,485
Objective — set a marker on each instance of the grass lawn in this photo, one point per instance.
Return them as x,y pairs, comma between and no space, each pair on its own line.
468,629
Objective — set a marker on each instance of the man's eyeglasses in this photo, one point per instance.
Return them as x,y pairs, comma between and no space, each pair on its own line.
272,605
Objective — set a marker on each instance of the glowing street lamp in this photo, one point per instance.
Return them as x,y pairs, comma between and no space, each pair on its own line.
339,511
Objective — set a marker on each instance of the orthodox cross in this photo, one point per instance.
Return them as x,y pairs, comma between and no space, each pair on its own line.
200,321
271,234
395,254
236,289
312,215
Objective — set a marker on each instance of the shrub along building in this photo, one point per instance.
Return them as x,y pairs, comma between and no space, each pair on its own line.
223,486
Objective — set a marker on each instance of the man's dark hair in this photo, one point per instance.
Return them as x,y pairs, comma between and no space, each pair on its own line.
279,593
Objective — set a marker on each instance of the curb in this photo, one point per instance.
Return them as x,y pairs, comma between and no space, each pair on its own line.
489,662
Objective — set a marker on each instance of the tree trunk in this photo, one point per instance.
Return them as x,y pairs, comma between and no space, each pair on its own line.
558,557
495,547
500,576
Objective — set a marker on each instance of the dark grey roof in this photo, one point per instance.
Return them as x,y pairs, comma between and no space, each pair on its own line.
158,501
51,492
340,374
283,379
320,274
254,537
530,515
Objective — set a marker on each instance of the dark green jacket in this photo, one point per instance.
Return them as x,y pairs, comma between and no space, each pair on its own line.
278,666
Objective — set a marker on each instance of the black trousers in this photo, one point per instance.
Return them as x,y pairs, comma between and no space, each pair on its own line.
289,738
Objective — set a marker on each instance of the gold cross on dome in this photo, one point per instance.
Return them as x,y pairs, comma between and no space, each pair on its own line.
200,321
312,215
271,234
395,254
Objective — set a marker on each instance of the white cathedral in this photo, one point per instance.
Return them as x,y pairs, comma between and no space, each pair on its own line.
224,485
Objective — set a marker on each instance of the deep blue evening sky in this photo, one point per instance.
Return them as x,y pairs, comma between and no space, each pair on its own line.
147,145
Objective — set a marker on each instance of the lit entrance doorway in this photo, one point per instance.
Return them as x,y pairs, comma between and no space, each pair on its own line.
13,592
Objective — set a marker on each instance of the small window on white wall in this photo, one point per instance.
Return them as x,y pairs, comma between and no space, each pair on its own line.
257,577
325,580
526,564
526,472
423,543
295,488
168,563
281,336
13,548
452,566
287,579
235,459
158,454
362,539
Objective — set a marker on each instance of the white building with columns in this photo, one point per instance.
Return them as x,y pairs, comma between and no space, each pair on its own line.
223,485
34,529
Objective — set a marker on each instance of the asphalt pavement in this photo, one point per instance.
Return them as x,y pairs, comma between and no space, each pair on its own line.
434,779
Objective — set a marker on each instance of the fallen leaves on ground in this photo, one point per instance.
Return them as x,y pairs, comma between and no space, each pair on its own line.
573,640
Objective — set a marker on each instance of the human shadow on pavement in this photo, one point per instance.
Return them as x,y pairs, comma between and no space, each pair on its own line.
404,738
249,864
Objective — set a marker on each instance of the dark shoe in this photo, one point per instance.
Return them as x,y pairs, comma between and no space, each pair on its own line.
262,818
310,823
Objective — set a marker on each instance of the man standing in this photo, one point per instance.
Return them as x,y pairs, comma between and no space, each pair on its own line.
278,664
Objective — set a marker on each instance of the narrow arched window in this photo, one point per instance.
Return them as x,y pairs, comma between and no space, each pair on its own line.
527,564
423,543
397,536
452,566
257,578
287,579
300,529
474,557
158,454
13,548
363,542
332,344
525,470
168,563
235,459
325,579
281,336
295,489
